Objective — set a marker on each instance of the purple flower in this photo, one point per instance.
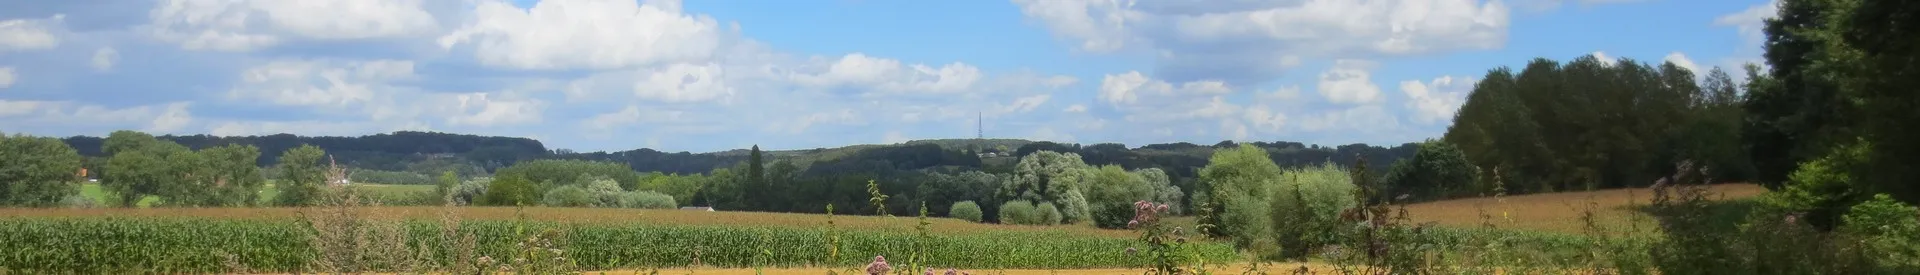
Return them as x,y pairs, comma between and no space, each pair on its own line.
929,271
1133,223
950,271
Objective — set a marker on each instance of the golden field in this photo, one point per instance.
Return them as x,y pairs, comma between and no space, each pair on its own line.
1558,212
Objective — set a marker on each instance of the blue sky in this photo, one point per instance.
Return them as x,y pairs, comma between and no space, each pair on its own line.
700,76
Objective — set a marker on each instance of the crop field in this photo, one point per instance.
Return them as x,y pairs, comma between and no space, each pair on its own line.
267,193
1559,212
271,239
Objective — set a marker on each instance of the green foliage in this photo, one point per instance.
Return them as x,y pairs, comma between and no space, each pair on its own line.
570,196
1050,177
510,190
301,175
178,245
1438,171
1020,212
1306,207
1112,192
1241,182
551,173
1047,214
388,177
1824,187
965,210
681,187
36,171
471,191
1889,228
647,200
1590,123
876,199
447,182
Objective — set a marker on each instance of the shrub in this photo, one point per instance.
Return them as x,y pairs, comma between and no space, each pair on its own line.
646,200
1888,228
570,196
79,201
471,191
1240,182
1047,214
1019,212
965,210
1437,171
510,191
1111,194
1306,206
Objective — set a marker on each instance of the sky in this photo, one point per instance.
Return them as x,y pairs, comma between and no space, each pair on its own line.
701,76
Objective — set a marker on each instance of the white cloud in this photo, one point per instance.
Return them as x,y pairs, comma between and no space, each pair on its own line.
882,75
1049,134
1436,100
104,57
23,34
303,127
802,123
1128,87
1349,82
172,119
7,77
1679,59
1249,42
1604,59
478,110
1025,104
597,34
11,108
1076,108
319,83
633,115
894,137
1369,118
676,83
243,25
1752,21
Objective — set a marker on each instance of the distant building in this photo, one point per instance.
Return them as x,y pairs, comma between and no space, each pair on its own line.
708,209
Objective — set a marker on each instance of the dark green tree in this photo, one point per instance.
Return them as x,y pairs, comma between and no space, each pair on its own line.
37,171
302,173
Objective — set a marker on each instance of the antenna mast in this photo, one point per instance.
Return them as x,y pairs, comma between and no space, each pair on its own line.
979,126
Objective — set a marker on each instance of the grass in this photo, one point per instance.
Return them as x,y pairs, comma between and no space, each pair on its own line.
1560,212
591,216
267,193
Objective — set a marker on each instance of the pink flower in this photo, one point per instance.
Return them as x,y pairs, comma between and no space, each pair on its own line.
879,266
950,271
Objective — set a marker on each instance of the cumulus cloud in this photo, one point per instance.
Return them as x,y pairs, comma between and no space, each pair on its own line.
476,109
244,25
319,83
595,34
884,75
1127,88
1751,22
676,83
104,57
1246,41
1679,59
6,77
1075,108
164,118
1349,82
1436,100
26,34
1604,59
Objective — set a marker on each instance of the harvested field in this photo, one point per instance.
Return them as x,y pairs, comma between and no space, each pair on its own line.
1558,212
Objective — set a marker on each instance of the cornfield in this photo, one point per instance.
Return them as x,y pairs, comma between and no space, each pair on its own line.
201,245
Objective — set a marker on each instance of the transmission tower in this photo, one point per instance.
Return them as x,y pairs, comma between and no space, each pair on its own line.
979,126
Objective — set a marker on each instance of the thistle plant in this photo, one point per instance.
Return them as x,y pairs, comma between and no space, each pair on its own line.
1164,246
877,199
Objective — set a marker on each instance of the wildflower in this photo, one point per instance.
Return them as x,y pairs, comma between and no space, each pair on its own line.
950,271
1133,223
929,271
1176,230
879,266
1161,208
1130,251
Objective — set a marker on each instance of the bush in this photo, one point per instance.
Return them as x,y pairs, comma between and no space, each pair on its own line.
965,210
471,191
79,201
646,200
570,196
1019,212
1888,228
1437,171
510,191
1047,214
1112,193
1307,204
1240,182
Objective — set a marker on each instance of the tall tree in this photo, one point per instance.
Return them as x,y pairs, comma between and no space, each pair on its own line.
757,178
1793,114
37,171
302,173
